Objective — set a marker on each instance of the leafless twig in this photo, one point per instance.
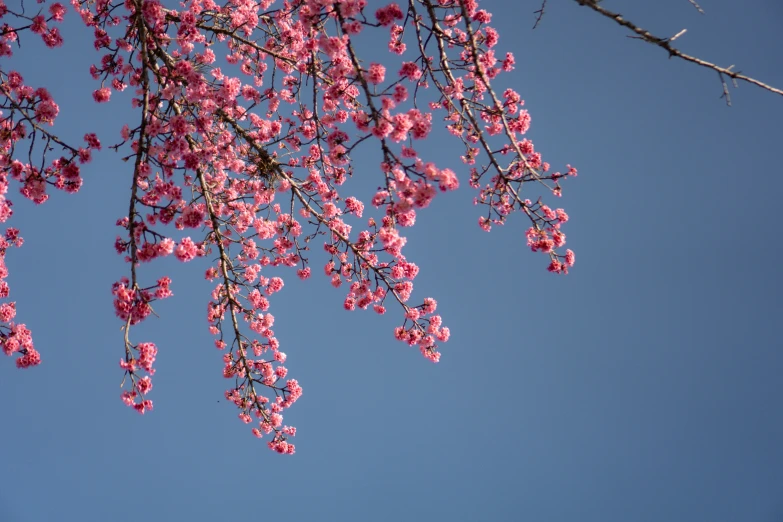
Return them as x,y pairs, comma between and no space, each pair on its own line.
697,6
665,43
678,35
540,14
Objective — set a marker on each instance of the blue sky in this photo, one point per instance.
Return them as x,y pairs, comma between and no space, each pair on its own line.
643,386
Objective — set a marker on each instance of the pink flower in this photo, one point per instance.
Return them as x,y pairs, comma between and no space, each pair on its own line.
275,285
556,266
193,216
354,206
147,353
7,312
186,250
354,27
144,385
52,38
39,24
57,10
30,358
84,155
165,247
46,111
376,73
102,95
387,15
410,71
143,406
15,80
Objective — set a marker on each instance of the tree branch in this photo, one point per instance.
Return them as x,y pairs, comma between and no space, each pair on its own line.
697,6
665,43
540,13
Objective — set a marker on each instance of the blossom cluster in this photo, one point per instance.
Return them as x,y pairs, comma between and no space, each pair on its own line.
26,115
248,114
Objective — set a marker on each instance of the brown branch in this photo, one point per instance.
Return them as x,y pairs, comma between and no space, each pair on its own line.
540,13
665,43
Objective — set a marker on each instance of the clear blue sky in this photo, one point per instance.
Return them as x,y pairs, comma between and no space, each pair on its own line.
644,386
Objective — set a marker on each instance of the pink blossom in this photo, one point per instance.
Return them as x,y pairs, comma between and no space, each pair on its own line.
102,95
193,216
30,358
47,111
387,15
52,38
253,155
7,312
57,10
39,24
354,206
186,250
376,73
275,285
410,71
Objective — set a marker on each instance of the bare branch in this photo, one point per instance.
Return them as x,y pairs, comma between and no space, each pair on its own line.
540,13
678,35
697,6
665,43
725,86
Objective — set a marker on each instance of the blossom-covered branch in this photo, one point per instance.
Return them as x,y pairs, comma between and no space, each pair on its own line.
248,115
26,115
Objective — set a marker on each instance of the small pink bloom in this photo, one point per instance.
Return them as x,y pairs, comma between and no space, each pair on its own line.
376,73
186,250
102,95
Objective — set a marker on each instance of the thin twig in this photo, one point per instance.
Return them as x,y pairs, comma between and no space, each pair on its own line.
665,43
697,6
678,35
540,13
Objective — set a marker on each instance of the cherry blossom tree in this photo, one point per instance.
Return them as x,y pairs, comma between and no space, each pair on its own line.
247,116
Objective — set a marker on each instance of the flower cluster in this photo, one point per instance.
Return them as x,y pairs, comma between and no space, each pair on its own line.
248,114
15,338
